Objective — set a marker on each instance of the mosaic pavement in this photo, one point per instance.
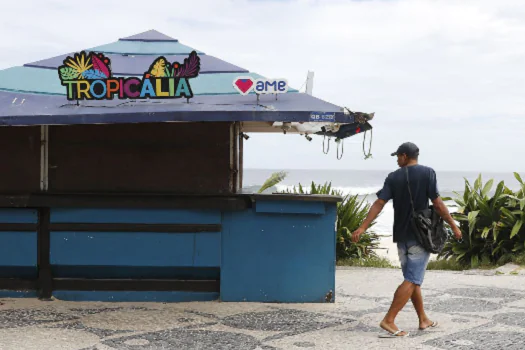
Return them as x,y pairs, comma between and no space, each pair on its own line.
474,312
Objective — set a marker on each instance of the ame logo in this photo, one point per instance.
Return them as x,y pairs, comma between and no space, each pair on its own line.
244,85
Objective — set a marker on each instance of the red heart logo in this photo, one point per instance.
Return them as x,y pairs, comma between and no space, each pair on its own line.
243,85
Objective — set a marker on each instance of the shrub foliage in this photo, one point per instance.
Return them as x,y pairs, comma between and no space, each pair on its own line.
491,223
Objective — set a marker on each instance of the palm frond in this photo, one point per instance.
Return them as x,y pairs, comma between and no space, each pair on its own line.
273,180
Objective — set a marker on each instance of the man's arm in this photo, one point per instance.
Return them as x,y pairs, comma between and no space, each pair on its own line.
442,210
374,211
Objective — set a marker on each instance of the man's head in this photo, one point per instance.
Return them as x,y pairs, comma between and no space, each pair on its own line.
406,153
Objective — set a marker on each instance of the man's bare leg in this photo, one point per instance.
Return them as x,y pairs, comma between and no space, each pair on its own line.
417,301
401,296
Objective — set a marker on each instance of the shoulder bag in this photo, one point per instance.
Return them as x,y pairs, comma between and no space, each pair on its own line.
428,226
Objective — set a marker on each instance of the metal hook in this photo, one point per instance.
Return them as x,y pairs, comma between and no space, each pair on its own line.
328,148
342,149
369,155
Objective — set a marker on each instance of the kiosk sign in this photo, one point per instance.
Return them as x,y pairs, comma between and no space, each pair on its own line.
245,84
88,76
322,117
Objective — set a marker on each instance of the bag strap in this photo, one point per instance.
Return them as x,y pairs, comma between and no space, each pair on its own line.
410,192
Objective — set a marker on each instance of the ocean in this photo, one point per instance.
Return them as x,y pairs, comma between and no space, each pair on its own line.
366,184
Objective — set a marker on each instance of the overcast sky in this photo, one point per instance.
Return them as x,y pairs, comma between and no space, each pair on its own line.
448,75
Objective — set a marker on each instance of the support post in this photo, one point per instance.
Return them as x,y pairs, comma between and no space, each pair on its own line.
45,278
310,83
240,156
44,158
234,156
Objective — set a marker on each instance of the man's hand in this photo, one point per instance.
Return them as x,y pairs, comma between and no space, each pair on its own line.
457,233
357,233
442,210
374,211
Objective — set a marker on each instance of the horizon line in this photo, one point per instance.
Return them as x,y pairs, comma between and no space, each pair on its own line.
383,170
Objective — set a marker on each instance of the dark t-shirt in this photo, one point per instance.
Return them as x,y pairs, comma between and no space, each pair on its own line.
423,185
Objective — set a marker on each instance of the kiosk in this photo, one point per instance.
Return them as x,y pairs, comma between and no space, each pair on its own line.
121,177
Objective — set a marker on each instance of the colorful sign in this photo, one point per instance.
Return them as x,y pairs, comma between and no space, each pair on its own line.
322,117
244,85
89,77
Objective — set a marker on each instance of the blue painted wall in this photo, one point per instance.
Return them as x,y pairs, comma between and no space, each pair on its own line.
277,256
290,207
18,250
18,216
278,251
132,254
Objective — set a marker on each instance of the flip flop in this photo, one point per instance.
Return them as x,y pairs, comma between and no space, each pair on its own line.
394,335
433,325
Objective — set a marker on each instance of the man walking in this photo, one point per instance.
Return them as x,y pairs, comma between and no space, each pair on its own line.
413,257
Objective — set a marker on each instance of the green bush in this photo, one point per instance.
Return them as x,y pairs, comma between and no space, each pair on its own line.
491,225
448,264
350,215
372,261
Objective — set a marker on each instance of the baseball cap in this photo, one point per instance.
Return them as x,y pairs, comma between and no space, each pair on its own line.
407,148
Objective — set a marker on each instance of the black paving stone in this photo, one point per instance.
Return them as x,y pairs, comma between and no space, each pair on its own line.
284,320
304,344
30,317
460,320
86,312
100,332
187,339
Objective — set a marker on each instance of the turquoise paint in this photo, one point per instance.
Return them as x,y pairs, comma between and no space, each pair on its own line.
34,80
122,248
278,257
221,83
135,216
18,216
207,249
289,207
134,296
46,81
18,294
145,48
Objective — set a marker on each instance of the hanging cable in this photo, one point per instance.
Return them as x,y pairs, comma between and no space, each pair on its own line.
303,85
369,155
342,149
328,148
